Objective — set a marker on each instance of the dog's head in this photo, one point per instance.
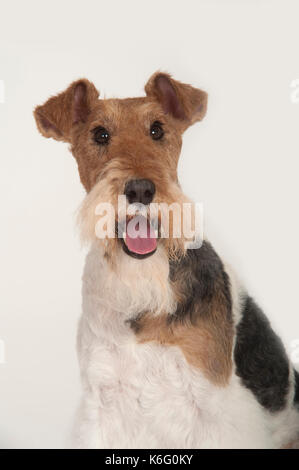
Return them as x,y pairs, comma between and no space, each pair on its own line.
126,147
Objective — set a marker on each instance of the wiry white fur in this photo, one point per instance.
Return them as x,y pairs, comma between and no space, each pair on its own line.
147,395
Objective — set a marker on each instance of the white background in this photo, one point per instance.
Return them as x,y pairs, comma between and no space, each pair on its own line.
241,162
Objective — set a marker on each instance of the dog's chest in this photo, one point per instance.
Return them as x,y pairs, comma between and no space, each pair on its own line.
149,380
148,395
148,391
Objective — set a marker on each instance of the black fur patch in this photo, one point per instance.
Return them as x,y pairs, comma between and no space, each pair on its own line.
296,397
202,276
261,360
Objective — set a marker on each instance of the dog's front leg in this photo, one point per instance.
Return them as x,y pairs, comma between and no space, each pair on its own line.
109,415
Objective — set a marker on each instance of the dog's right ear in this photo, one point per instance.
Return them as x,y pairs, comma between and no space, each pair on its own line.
60,113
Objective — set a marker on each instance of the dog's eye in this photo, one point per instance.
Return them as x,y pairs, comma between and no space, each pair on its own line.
101,135
156,131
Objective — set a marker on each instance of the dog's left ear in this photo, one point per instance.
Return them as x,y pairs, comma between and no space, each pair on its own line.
182,101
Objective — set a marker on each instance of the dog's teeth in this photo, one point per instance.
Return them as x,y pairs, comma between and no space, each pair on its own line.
124,235
156,233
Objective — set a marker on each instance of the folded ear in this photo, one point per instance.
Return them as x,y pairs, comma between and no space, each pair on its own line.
182,101
60,113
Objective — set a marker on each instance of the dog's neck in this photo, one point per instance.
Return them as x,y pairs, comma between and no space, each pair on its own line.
131,286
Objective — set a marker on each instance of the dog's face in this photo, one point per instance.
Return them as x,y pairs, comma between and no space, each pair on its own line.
125,147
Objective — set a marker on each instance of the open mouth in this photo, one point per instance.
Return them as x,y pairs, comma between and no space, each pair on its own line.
139,238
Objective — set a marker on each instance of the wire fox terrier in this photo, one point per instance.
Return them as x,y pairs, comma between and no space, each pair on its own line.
173,352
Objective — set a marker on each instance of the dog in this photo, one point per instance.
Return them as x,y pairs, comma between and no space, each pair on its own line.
173,351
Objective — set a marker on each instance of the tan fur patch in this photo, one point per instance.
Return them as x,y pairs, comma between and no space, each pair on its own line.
206,339
206,345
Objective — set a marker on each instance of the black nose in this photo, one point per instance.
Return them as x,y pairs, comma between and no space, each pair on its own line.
142,190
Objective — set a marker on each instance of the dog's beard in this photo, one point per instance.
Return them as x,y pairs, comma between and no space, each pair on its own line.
159,230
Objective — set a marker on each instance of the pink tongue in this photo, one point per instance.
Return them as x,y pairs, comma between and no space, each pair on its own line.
140,236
